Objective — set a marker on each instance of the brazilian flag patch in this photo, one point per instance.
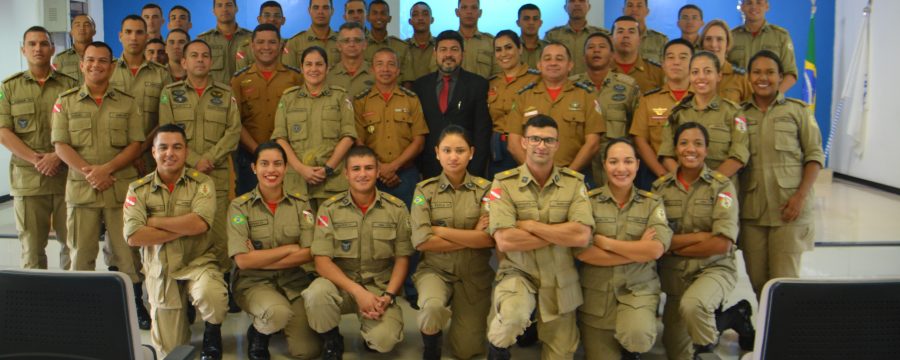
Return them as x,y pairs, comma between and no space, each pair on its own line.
419,200
238,219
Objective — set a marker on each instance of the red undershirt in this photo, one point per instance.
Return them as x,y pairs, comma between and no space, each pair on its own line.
229,36
754,33
363,209
351,73
554,93
386,96
626,68
510,79
679,94
99,101
272,206
200,91
171,187
41,82
267,74
686,185
133,71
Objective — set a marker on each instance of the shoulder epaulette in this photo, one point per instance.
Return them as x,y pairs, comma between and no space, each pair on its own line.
481,182
222,85
572,173
197,175
595,191
241,70
586,86
653,62
526,88
561,27
142,181
778,28
332,200
624,78
298,196
207,32
70,91
393,200
425,182
662,180
13,76
739,70
486,34
720,177
649,195
290,90
337,88
533,71
731,102
655,32
798,101
653,91
120,92
243,199
493,77
64,75
289,67
362,94
298,34
507,174
408,92
175,84
392,37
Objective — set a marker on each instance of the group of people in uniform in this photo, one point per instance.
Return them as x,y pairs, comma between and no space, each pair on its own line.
302,178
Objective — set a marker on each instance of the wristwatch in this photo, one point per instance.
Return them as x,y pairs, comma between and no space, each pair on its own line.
328,171
393,297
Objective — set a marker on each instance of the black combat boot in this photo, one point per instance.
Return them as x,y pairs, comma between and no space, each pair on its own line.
258,348
333,344
143,317
212,342
627,355
529,337
738,318
432,349
702,349
496,353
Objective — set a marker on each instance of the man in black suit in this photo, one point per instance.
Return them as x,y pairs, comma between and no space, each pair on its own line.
453,95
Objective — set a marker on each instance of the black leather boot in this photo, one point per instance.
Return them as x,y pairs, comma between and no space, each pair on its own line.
212,342
143,317
496,353
333,345
627,355
432,349
258,348
738,318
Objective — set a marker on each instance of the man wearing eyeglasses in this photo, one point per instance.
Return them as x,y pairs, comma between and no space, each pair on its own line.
539,213
352,73
270,12
581,122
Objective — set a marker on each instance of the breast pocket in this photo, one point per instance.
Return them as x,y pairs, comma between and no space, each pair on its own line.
635,227
484,61
80,132
346,242
616,120
574,125
719,142
606,225
403,123
184,118
25,124
527,210
118,129
214,124
701,214
182,207
331,121
559,211
786,141
218,57
290,235
297,126
383,235
441,213
260,232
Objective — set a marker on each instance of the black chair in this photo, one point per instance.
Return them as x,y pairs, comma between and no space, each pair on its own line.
71,315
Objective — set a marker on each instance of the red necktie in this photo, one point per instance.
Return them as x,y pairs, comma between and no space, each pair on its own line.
444,97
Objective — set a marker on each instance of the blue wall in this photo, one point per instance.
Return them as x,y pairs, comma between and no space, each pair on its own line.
792,15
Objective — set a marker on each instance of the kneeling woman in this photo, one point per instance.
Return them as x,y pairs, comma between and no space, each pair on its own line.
699,271
448,225
269,235
621,288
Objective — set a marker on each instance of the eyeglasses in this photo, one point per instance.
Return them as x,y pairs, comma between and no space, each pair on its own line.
537,140
266,15
354,41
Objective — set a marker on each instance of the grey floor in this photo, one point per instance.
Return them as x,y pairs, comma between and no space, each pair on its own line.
857,236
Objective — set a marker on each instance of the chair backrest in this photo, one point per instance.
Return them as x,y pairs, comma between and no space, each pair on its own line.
829,319
67,315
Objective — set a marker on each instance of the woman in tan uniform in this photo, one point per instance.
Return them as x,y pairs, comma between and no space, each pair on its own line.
699,271
619,282
716,38
269,235
728,144
502,91
448,226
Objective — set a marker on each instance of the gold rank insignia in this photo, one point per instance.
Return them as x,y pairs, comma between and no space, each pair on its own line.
659,111
371,129
195,174
574,106
246,82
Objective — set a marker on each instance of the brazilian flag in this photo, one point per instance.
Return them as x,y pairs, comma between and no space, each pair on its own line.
809,65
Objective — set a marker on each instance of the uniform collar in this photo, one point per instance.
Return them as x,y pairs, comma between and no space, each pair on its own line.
347,200
371,39
29,76
332,36
394,91
779,100
120,62
605,195
444,182
525,177
256,195
304,92
210,83
587,28
341,70
412,41
706,175
83,92
541,87
668,89
714,104
158,182
279,67
476,35
238,30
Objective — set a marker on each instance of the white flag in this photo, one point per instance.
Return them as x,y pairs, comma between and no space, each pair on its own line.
853,106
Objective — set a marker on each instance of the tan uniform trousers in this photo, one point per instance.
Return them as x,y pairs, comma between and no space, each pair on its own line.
219,232
629,325
206,288
690,318
83,225
34,217
513,302
271,312
467,327
774,251
325,304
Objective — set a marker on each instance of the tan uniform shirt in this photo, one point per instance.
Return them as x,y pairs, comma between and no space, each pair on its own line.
165,263
770,37
515,195
652,44
641,212
531,56
422,58
145,87
97,133
502,93
652,114
314,125
212,123
618,95
363,245
258,98
648,74
710,205
244,56
734,85
576,110
437,203
782,140
354,83
223,51
478,55
25,108
304,39
574,40
725,123
398,45
68,62
249,217
388,126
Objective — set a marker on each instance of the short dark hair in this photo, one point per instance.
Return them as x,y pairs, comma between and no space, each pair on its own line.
173,31
100,44
557,43
691,125
270,3
196,41
380,2
766,54
691,6
601,35
511,35
171,128
709,55
182,8
351,26
619,140
152,6
269,145
385,50
38,29
454,129
135,18
422,3
624,18
330,3
539,121
528,6
265,27
312,49
449,35
359,151
156,41
90,19
678,41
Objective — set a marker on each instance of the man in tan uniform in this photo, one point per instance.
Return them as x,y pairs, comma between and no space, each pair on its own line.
319,34
361,249
618,95
529,22
421,44
581,122
270,12
224,40
257,89
37,176
478,56
67,62
209,114
176,39
757,34
355,11
153,16
97,132
627,44
167,214
379,16
575,32
389,120
155,51
652,41
538,269
690,22
352,72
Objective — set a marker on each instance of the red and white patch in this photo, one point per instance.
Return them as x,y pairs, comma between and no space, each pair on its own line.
726,199
308,216
494,194
130,201
740,123
53,66
240,55
57,108
322,221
